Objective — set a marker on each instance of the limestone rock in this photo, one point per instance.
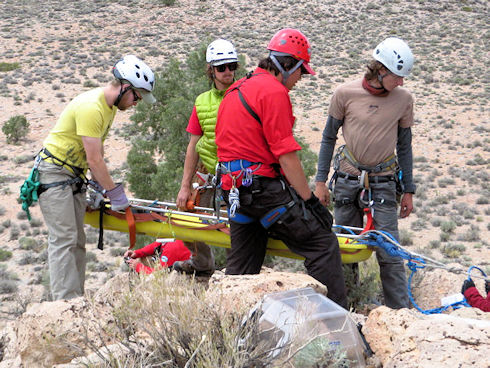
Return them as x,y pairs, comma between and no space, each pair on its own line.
240,292
406,338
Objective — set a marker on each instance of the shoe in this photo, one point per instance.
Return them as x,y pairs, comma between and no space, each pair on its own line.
188,268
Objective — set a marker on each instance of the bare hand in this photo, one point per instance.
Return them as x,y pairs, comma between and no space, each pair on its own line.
183,197
321,191
132,263
406,205
129,253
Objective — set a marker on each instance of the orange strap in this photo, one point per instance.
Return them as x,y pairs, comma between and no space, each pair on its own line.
131,226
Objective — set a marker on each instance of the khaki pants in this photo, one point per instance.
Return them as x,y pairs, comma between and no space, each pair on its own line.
63,214
202,258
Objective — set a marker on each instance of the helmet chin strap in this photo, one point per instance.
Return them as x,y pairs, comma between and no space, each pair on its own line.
285,74
121,94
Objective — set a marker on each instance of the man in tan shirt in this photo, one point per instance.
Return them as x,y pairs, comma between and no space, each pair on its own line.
376,115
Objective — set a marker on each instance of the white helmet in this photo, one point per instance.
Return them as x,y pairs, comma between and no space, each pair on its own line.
395,55
134,71
221,52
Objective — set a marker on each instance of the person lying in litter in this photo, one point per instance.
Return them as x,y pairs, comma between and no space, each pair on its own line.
474,298
166,252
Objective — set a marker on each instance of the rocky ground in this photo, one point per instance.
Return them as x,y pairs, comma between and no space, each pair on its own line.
63,48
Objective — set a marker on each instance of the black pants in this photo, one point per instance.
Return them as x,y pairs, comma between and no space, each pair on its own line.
298,229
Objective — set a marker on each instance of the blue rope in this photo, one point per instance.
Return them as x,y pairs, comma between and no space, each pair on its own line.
413,263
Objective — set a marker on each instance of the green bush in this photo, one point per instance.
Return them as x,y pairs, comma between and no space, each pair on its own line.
5,255
16,128
6,67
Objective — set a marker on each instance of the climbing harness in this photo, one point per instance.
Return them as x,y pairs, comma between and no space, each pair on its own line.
365,198
31,189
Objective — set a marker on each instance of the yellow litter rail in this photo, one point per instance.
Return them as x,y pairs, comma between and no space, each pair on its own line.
186,228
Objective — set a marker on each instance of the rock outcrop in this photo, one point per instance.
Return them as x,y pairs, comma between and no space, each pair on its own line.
65,333
407,338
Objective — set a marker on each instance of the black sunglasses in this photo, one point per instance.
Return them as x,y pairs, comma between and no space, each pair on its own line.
135,95
231,67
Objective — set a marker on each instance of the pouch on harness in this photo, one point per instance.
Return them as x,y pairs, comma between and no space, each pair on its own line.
31,189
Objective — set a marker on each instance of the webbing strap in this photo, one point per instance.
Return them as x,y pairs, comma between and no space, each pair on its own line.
388,163
131,227
242,98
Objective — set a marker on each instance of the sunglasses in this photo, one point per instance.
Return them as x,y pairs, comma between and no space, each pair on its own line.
136,98
231,67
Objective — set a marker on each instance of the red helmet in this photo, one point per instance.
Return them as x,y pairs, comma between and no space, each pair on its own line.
292,42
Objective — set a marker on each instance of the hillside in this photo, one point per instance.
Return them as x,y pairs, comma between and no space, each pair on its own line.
63,48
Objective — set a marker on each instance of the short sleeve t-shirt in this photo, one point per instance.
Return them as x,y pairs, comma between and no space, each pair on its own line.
86,115
194,127
370,127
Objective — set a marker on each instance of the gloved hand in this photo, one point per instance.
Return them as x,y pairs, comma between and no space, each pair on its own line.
321,213
118,198
466,285
487,286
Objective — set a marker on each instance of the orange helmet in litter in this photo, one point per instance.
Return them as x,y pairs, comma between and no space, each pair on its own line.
289,41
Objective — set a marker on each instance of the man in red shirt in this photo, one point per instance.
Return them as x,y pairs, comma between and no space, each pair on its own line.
263,181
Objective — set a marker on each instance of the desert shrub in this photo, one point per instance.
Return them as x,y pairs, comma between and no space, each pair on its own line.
27,259
6,67
14,232
16,128
453,250
406,237
2,210
433,244
448,226
90,257
117,252
8,286
167,2
173,336
27,243
5,255
363,285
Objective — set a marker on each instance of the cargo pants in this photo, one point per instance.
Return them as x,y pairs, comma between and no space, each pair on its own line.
63,214
385,217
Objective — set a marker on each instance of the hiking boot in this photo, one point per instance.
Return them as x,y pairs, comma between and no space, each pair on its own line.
188,268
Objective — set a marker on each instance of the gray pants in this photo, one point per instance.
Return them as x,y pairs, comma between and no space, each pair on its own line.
392,269
202,258
63,214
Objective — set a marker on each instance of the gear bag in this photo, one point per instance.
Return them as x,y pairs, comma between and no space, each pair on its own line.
29,189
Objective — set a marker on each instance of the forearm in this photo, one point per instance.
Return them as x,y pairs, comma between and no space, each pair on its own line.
405,158
100,172
190,163
291,166
329,138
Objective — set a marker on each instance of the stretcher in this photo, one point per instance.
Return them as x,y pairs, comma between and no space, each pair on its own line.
164,222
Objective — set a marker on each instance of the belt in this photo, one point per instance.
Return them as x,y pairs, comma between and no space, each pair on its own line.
372,179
